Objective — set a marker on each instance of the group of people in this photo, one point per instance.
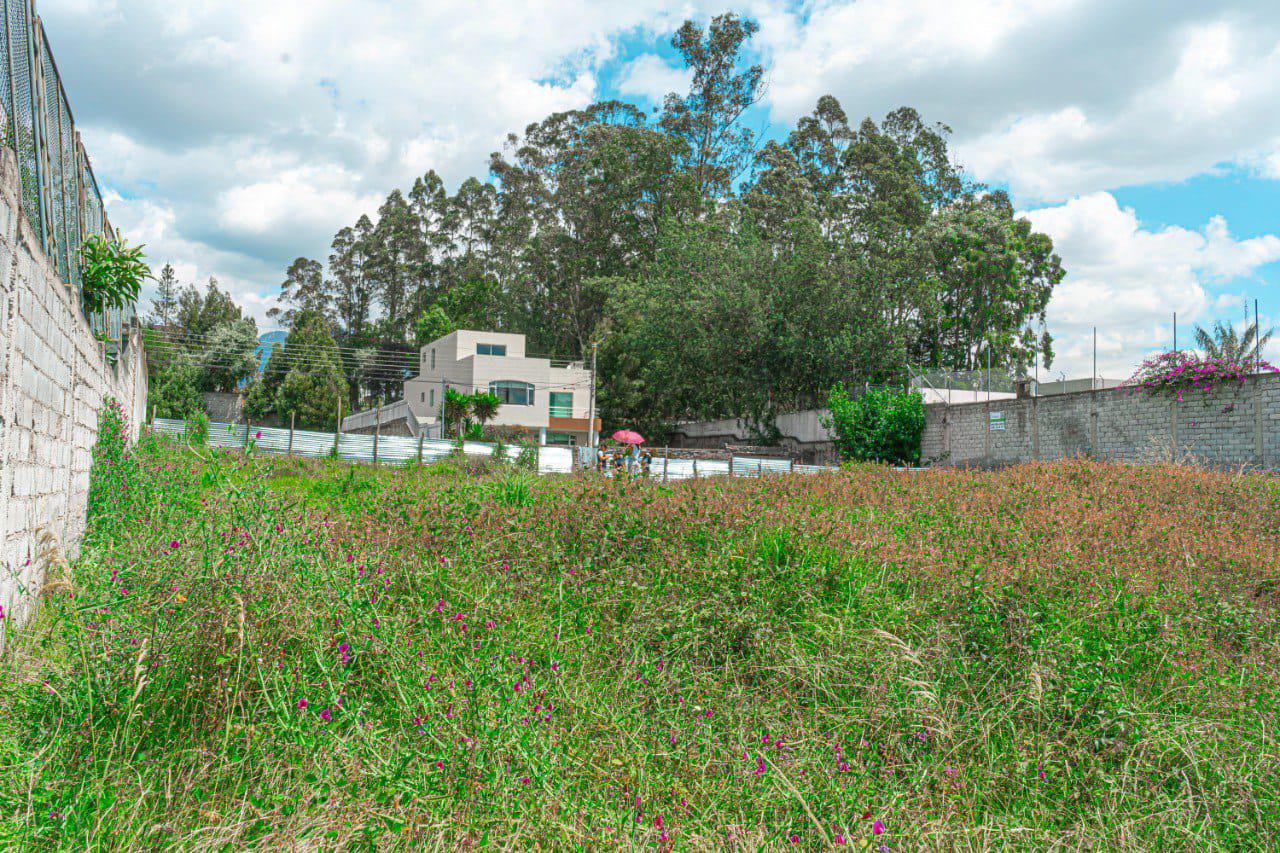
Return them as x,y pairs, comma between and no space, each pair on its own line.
635,461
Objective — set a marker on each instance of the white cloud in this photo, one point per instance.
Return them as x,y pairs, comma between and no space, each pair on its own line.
1055,98
1128,280
649,77
237,136
255,131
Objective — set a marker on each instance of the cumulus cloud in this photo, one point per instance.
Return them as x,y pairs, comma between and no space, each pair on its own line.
237,136
255,131
1128,279
649,77
1054,98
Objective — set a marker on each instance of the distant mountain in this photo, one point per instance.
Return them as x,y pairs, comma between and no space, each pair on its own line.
266,344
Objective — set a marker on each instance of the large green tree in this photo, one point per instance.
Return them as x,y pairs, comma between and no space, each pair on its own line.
721,276
314,384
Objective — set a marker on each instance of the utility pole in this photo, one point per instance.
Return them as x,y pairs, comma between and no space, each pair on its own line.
1175,331
337,436
1257,341
444,387
591,411
1093,382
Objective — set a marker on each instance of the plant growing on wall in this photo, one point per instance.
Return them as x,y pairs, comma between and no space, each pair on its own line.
879,426
112,273
1180,373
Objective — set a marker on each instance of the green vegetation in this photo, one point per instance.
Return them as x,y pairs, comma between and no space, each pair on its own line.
877,426
721,276
266,653
111,274
196,342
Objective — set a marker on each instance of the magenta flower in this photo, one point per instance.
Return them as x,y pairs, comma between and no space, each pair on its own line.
877,828
302,704
325,715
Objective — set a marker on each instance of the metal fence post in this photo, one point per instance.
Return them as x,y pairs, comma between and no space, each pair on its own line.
337,436
292,419
377,432
666,463
421,435
248,428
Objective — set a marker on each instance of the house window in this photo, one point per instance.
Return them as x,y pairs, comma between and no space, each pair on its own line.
433,359
424,396
561,404
561,439
433,397
512,393
491,349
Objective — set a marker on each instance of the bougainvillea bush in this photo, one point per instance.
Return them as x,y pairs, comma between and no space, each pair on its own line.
1182,373
265,653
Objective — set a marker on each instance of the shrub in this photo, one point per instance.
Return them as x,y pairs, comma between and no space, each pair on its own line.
112,274
879,426
198,429
528,458
1178,373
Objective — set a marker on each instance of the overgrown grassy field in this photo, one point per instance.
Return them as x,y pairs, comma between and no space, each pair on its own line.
266,653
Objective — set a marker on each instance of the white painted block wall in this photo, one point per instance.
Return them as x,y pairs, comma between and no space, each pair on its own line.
54,379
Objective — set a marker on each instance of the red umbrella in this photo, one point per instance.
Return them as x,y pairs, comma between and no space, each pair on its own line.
626,436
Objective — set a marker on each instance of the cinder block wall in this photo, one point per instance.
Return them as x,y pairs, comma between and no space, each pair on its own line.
1229,427
54,379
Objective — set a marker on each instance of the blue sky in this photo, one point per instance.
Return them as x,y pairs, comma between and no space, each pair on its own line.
1144,135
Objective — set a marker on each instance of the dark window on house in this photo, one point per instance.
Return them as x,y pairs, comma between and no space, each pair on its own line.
491,349
561,404
512,393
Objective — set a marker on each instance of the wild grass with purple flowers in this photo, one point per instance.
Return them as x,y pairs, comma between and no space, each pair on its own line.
265,653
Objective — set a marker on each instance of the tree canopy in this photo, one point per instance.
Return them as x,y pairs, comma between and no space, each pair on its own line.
721,276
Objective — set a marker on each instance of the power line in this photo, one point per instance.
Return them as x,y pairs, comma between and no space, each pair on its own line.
385,374
412,355
373,369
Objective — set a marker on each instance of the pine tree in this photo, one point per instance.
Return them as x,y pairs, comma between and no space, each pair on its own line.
164,307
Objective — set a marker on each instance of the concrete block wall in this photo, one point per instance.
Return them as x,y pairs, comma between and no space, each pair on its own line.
1232,426
54,380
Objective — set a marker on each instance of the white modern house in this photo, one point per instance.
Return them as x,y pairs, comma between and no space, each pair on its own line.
543,399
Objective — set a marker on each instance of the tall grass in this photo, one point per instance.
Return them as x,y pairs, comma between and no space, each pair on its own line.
264,653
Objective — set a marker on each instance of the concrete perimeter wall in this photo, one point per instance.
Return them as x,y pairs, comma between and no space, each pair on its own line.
1228,427
54,378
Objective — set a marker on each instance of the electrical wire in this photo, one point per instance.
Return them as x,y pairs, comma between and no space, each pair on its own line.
413,355
383,372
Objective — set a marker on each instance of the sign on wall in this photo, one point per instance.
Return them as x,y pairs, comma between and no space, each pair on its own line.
997,421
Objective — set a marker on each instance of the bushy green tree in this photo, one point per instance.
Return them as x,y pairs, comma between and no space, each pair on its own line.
229,356
878,426
314,384
431,325
174,392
